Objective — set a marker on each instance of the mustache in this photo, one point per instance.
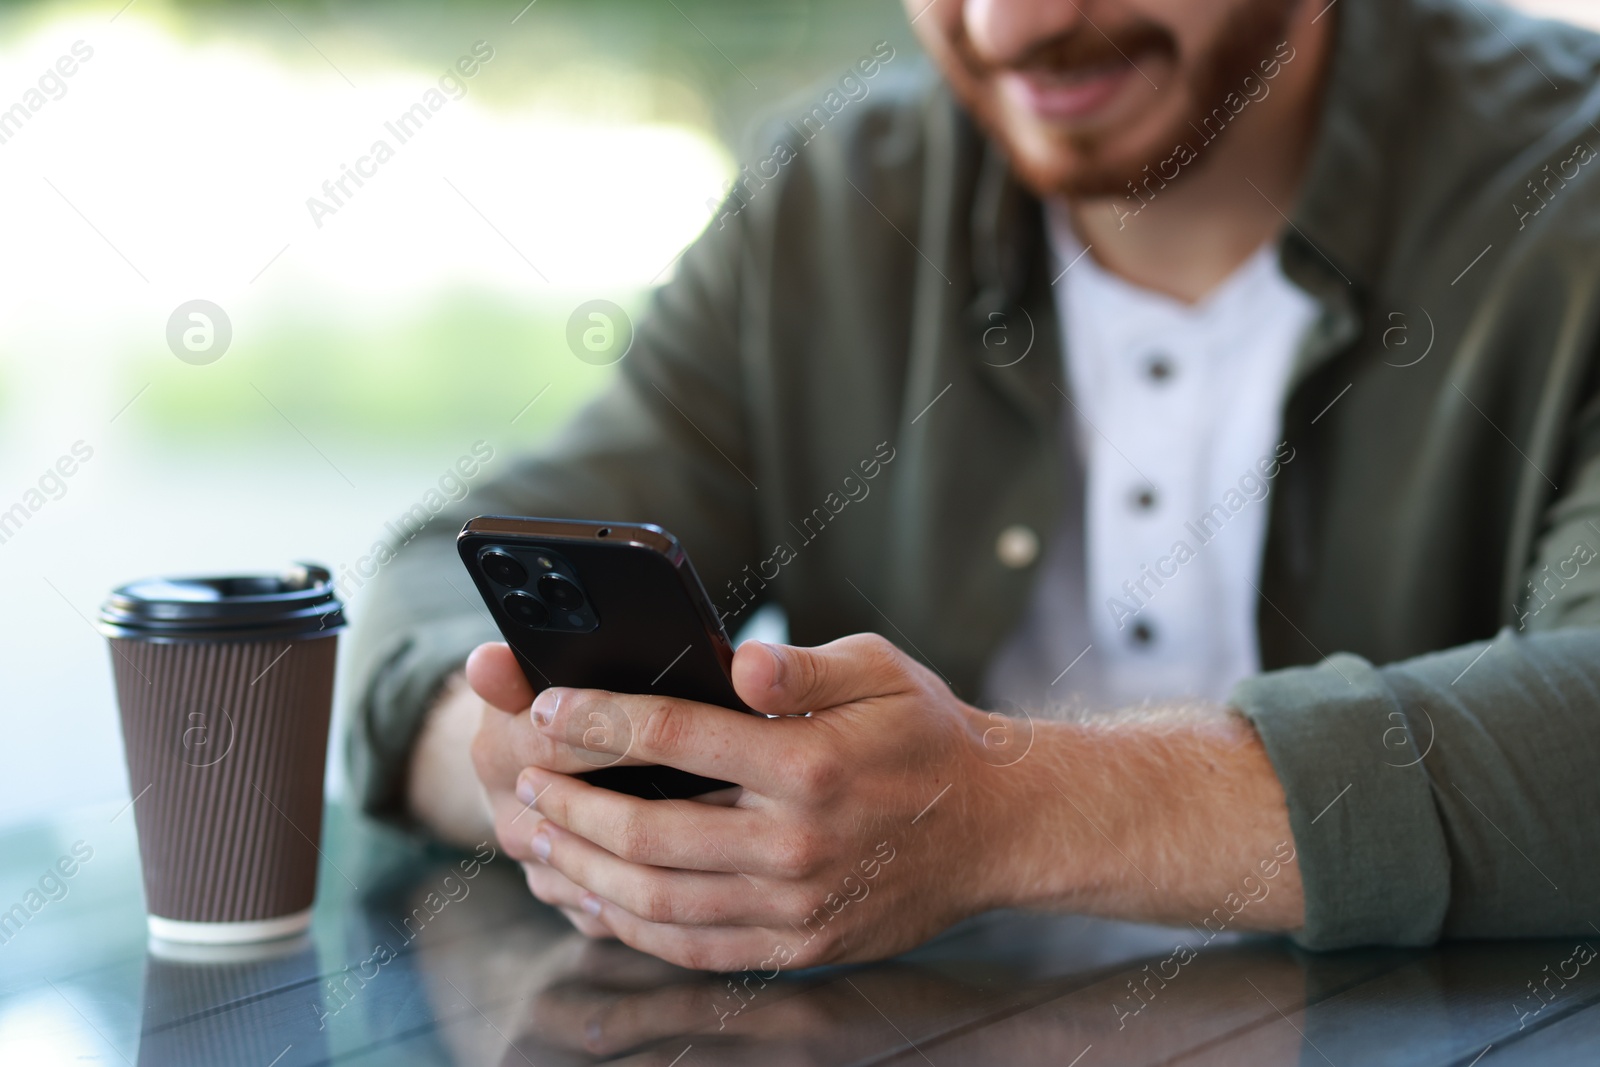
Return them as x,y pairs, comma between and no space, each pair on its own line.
1083,49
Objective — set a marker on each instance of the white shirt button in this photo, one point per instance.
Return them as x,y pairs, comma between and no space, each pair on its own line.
1017,546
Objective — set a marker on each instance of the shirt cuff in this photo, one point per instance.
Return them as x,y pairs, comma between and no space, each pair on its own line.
393,702
1367,835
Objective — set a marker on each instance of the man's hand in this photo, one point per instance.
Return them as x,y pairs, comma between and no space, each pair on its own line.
505,743
876,811
857,831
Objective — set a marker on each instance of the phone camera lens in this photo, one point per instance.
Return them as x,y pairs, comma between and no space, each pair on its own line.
502,567
525,608
560,591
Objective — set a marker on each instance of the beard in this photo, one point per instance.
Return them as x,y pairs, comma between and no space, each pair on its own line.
1248,36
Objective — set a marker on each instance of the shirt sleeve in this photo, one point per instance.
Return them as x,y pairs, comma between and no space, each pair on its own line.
1455,794
666,443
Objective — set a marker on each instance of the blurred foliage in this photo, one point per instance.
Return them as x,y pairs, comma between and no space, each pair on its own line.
466,367
461,362
719,64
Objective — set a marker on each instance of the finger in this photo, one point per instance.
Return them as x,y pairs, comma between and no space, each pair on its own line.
688,835
605,728
552,887
504,744
587,925
494,674
790,680
514,826
704,948
657,894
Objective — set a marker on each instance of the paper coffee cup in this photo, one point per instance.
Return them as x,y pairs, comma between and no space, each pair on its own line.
225,687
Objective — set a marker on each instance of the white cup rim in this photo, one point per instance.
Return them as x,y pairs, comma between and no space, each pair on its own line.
229,933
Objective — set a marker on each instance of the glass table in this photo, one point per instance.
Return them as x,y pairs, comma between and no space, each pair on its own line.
422,955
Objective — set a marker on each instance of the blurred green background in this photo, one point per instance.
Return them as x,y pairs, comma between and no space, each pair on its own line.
428,351
368,352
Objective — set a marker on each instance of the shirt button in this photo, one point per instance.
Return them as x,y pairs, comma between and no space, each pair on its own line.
1158,367
1017,546
1142,634
1143,498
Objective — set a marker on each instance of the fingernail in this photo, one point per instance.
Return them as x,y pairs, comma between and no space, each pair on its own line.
544,706
541,846
525,791
591,904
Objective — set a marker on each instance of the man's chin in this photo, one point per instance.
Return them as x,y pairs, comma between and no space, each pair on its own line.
1051,162
1077,172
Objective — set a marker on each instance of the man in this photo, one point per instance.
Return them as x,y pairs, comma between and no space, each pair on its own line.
1231,362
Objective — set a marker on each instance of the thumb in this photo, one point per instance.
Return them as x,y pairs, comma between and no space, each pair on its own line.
790,680
495,675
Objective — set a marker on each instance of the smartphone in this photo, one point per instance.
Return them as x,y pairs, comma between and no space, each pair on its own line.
610,606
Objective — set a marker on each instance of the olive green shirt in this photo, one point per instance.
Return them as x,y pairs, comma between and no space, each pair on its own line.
1431,688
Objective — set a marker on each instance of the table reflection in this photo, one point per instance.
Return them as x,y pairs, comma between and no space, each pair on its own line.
471,970
202,1004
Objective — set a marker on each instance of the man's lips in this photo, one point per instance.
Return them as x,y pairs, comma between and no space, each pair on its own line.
1065,98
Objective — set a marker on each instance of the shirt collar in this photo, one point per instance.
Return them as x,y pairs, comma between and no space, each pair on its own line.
1340,222
1070,264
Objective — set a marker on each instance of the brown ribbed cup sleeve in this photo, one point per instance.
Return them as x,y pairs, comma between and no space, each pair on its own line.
226,744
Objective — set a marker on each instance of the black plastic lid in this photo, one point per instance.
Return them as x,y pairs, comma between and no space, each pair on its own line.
300,602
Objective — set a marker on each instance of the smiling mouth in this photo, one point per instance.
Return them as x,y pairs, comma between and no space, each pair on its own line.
1067,96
